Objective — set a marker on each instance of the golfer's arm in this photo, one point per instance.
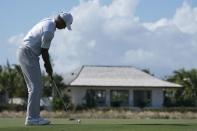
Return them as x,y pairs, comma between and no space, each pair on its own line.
45,56
46,41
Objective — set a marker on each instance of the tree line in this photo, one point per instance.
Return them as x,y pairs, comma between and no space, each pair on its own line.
13,84
185,96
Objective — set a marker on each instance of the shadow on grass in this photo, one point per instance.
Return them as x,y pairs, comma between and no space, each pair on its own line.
158,124
125,124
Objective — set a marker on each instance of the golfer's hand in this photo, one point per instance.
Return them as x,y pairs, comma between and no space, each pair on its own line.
48,69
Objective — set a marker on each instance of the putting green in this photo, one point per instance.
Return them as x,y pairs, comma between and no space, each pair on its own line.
17,124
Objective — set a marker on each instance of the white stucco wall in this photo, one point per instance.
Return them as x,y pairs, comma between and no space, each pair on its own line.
77,95
157,97
131,97
108,97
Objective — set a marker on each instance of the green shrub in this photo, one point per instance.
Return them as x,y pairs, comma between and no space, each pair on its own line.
12,107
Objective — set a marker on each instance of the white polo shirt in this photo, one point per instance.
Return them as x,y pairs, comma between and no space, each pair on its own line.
40,36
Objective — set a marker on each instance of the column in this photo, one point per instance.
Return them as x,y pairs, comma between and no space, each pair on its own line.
108,97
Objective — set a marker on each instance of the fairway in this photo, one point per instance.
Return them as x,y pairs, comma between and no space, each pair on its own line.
17,124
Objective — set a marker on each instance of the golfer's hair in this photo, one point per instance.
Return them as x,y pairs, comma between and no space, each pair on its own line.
57,17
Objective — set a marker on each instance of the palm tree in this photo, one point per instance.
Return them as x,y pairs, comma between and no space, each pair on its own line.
11,82
19,86
188,78
4,76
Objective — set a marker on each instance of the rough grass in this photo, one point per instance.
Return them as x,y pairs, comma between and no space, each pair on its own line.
109,114
17,124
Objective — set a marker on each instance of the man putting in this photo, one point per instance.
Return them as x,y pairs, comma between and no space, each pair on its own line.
36,43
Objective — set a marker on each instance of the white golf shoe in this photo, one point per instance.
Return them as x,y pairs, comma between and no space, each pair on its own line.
39,121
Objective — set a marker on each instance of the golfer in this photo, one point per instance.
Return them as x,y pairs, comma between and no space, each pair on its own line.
36,43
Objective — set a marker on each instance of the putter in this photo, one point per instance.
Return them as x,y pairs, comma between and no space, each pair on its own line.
59,93
65,105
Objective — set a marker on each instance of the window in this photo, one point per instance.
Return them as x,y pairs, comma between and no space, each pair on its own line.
95,98
142,98
119,98
100,97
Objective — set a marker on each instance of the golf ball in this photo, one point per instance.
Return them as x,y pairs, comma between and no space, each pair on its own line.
78,121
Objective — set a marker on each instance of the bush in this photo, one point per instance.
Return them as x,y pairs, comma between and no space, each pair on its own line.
57,103
12,107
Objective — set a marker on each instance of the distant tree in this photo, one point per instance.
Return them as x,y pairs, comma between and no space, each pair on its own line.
12,84
18,86
5,79
147,71
57,102
187,95
12,81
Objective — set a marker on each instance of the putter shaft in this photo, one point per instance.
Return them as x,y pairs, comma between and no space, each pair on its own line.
59,93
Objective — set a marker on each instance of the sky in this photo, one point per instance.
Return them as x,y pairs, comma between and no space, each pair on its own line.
159,35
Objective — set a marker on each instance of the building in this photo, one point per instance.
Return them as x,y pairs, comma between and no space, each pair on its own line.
117,86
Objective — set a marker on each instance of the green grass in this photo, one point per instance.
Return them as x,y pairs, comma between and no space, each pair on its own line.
17,124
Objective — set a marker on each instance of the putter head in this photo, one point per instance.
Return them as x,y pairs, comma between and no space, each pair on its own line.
65,110
66,107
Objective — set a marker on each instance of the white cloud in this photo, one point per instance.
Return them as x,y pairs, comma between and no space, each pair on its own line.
186,18
98,33
138,56
121,8
113,35
159,24
16,40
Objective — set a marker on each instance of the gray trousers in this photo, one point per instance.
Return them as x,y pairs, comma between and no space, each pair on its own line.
29,63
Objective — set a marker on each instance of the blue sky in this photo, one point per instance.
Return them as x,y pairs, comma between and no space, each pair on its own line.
18,16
